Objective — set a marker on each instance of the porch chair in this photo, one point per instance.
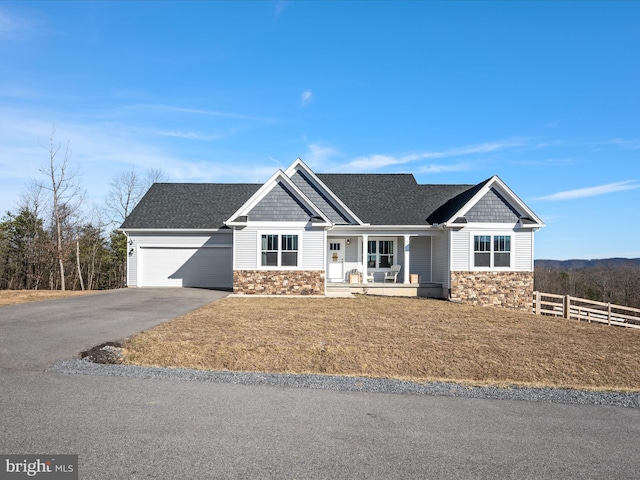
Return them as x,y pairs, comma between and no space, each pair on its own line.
392,275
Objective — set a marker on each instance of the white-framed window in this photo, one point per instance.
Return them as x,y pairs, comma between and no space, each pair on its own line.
278,250
380,253
492,251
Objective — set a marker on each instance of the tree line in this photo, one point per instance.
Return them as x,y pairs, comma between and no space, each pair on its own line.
610,282
51,241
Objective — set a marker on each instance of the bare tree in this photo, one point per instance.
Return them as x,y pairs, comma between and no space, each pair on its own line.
127,188
66,194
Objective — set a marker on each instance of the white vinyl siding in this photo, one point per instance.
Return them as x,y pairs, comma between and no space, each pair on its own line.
132,265
313,250
460,260
246,249
523,251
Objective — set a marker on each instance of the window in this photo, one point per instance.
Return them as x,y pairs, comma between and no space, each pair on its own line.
269,250
488,253
380,253
502,251
482,250
289,251
279,250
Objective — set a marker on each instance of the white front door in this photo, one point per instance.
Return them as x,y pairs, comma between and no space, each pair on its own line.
335,260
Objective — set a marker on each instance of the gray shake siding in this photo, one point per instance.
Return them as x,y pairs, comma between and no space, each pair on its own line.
281,206
492,208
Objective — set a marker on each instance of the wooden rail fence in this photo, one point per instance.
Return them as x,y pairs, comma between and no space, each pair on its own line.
583,310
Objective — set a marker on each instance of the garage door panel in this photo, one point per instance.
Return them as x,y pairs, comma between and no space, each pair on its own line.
187,267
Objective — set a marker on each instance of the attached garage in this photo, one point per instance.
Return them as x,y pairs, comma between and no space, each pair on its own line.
204,267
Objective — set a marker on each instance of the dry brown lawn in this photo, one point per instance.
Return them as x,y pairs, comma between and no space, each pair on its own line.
13,297
416,339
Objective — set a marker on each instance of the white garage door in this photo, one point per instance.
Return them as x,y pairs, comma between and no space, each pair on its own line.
206,267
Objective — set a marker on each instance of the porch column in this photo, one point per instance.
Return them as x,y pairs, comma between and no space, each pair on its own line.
407,266
365,246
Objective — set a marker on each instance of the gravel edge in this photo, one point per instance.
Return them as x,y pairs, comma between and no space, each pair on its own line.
354,384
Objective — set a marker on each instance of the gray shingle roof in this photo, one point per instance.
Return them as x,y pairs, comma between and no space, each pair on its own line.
189,205
378,199
392,199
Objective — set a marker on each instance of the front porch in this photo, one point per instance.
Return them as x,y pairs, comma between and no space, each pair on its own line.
388,263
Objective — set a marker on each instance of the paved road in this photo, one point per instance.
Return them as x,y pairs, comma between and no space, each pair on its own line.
138,429
132,428
35,335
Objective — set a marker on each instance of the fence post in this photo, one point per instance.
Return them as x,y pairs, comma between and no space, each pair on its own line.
609,313
567,303
536,300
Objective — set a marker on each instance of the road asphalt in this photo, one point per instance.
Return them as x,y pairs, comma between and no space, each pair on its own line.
134,428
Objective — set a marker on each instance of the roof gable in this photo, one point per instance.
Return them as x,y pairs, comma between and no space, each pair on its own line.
492,208
278,193
476,203
330,203
279,205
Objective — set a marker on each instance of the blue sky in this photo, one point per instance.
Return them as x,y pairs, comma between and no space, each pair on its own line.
545,95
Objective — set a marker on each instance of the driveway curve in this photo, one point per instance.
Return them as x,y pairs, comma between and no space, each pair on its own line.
34,335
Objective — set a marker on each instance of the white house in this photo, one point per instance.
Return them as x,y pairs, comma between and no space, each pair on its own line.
305,233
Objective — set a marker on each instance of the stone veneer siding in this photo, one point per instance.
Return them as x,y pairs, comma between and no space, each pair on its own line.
501,289
279,282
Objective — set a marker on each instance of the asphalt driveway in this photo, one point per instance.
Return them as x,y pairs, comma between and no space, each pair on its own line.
34,335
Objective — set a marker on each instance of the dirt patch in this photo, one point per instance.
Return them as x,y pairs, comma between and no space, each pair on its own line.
14,297
108,353
416,339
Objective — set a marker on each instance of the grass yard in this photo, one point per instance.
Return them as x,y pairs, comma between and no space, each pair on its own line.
406,338
14,297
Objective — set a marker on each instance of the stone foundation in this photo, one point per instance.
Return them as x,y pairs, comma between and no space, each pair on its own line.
278,282
501,289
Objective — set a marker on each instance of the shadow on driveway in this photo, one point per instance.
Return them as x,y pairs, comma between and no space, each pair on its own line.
34,335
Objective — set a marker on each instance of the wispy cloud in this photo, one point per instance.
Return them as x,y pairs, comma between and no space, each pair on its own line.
592,191
194,135
193,111
306,98
376,162
318,156
14,27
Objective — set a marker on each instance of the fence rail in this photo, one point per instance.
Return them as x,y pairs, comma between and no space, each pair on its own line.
581,309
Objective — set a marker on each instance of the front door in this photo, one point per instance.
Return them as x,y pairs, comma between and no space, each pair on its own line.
335,260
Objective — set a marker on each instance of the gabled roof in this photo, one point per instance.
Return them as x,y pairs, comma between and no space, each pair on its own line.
458,206
374,199
278,180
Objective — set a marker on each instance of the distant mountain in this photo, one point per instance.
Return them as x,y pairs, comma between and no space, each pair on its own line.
573,264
